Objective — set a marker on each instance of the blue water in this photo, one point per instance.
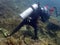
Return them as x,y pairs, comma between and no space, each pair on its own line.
24,4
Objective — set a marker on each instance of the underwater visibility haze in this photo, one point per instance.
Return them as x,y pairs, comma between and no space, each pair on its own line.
46,29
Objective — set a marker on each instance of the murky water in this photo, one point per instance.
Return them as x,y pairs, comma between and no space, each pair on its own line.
48,32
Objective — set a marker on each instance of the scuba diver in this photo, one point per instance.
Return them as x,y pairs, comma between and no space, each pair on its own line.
32,20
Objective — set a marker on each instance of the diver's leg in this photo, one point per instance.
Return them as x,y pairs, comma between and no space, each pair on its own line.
35,31
17,28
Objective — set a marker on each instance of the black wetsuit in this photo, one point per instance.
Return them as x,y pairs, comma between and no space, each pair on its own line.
33,21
